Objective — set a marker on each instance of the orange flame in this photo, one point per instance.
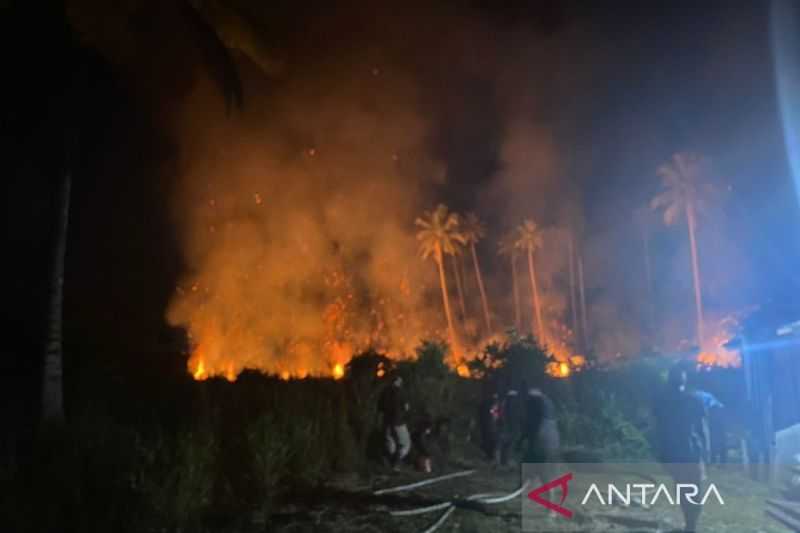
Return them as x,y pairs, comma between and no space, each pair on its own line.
714,352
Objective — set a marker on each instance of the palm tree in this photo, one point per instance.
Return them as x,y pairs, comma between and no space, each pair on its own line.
208,30
508,249
685,193
529,239
473,231
439,235
459,285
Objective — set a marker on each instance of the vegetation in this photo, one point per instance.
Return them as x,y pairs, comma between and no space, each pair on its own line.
507,248
225,452
686,193
473,231
529,239
439,236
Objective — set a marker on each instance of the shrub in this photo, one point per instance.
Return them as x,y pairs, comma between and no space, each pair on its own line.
175,475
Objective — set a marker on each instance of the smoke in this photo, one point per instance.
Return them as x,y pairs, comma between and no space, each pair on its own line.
297,225
296,216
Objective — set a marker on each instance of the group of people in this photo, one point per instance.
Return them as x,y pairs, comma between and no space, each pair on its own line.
689,432
516,422
523,423
394,407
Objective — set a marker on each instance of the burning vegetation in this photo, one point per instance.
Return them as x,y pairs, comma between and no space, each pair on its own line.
297,226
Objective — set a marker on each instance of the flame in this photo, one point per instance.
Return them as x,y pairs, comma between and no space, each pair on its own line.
285,375
338,371
230,375
558,369
463,371
713,351
200,372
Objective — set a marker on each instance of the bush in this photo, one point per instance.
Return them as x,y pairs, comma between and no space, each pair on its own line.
506,364
605,429
175,475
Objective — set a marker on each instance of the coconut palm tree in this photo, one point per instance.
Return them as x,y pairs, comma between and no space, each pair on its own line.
508,249
459,284
213,30
529,239
473,231
685,193
439,236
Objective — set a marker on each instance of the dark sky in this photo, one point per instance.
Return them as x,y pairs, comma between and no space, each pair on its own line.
641,81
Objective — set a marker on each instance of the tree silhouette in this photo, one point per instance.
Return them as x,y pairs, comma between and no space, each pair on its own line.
473,231
439,235
685,192
529,239
507,247
212,29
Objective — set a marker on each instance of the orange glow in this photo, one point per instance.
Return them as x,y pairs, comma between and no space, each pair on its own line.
558,369
463,371
285,375
230,375
200,372
338,371
713,351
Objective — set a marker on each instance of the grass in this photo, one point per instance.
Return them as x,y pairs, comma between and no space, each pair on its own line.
211,455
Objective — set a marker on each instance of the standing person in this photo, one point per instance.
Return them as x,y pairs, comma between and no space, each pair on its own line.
710,432
540,433
679,425
422,439
509,424
393,407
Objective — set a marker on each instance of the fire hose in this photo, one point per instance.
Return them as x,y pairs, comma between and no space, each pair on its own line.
423,482
487,498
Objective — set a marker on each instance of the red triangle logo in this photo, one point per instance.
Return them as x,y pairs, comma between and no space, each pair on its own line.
536,495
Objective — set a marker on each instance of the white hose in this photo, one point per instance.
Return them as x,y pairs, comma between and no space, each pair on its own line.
421,510
483,495
423,482
501,499
441,520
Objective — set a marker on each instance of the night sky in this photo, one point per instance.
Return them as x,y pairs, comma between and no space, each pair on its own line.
620,86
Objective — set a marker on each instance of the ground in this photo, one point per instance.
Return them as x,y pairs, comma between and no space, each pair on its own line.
347,504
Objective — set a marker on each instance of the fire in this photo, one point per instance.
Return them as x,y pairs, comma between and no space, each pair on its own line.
463,371
230,375
338,371
558,369
714,352
200,372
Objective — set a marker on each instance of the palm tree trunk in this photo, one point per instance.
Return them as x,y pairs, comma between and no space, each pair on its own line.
459,287
584,320
572,296
698,298
536,305
484,303
446,301
52,377
515,286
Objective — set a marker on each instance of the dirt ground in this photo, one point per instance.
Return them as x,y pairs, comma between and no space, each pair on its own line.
347,504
